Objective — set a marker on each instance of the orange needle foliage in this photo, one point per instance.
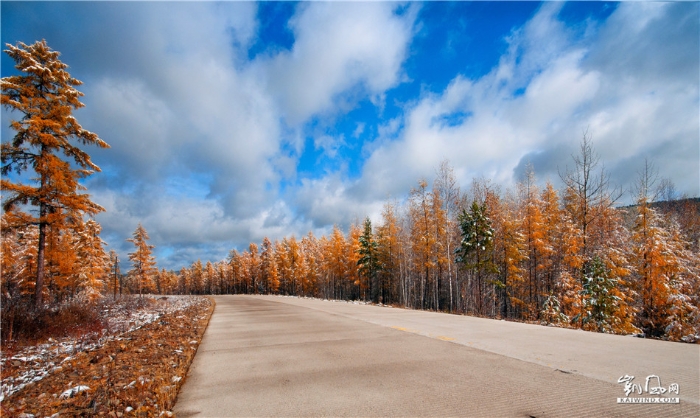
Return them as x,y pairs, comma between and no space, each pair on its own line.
45,97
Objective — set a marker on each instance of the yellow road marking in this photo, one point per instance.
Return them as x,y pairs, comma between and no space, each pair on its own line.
443,338
413,331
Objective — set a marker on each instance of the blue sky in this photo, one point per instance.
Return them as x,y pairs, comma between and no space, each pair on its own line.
233,121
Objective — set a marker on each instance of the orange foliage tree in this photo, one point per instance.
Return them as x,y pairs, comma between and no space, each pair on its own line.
143,262
45,97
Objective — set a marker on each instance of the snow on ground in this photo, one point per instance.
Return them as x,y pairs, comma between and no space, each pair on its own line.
120,318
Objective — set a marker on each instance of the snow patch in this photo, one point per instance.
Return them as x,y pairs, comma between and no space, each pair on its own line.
37,362
73,391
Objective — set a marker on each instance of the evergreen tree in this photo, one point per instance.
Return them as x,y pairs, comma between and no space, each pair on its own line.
369,260
551,311
600,303
45,97
476,247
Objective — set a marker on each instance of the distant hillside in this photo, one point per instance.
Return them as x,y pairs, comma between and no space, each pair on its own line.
685,211
670,205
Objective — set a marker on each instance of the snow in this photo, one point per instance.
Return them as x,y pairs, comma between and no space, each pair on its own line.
41,360
73,391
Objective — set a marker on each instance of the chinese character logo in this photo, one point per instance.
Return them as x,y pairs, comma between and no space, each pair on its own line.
652,386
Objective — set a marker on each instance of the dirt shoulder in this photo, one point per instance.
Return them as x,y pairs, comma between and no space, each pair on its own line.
137,372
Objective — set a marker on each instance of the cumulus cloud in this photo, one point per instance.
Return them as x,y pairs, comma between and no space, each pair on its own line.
339,46
549,87
206,141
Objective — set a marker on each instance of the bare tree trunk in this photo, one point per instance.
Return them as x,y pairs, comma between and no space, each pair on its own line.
41,256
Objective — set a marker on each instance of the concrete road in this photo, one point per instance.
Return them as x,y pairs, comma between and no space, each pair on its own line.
282,356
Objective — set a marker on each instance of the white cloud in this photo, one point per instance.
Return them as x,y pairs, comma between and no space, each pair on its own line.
203,139
135,123
338,46
544,92
329,144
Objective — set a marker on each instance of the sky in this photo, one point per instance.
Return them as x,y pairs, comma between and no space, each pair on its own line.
232,121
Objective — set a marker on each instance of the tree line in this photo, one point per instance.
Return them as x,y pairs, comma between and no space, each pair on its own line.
570,257
536,254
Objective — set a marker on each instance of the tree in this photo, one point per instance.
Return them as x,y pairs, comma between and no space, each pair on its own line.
114,272
93,261
600,301
369,260
448,189
509,251
268,268
314,261
551,311
425,213
45,97
142,260
664,267
389,250
586,189
587,195
476,248
534,231
351,256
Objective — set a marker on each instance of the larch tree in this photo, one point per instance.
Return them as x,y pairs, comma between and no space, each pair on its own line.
209,278
300,269
255,268
114,272
313,259
268,268
353,279
93,261
336,262
534,231
142,259
389,251
183,282
45,97
292,259
553,236
423,238
283,270
588,192
509,252
197,277
61,264
664,268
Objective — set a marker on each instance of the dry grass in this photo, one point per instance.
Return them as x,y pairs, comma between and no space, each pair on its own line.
133,372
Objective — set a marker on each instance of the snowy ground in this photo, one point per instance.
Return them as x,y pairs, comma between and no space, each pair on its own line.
34,363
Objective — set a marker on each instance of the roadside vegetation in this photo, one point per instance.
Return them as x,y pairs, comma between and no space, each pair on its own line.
130,360
78,338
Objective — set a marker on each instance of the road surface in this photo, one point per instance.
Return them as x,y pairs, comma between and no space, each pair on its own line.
284,356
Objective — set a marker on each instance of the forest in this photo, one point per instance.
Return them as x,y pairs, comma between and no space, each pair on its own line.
533,254
569,257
